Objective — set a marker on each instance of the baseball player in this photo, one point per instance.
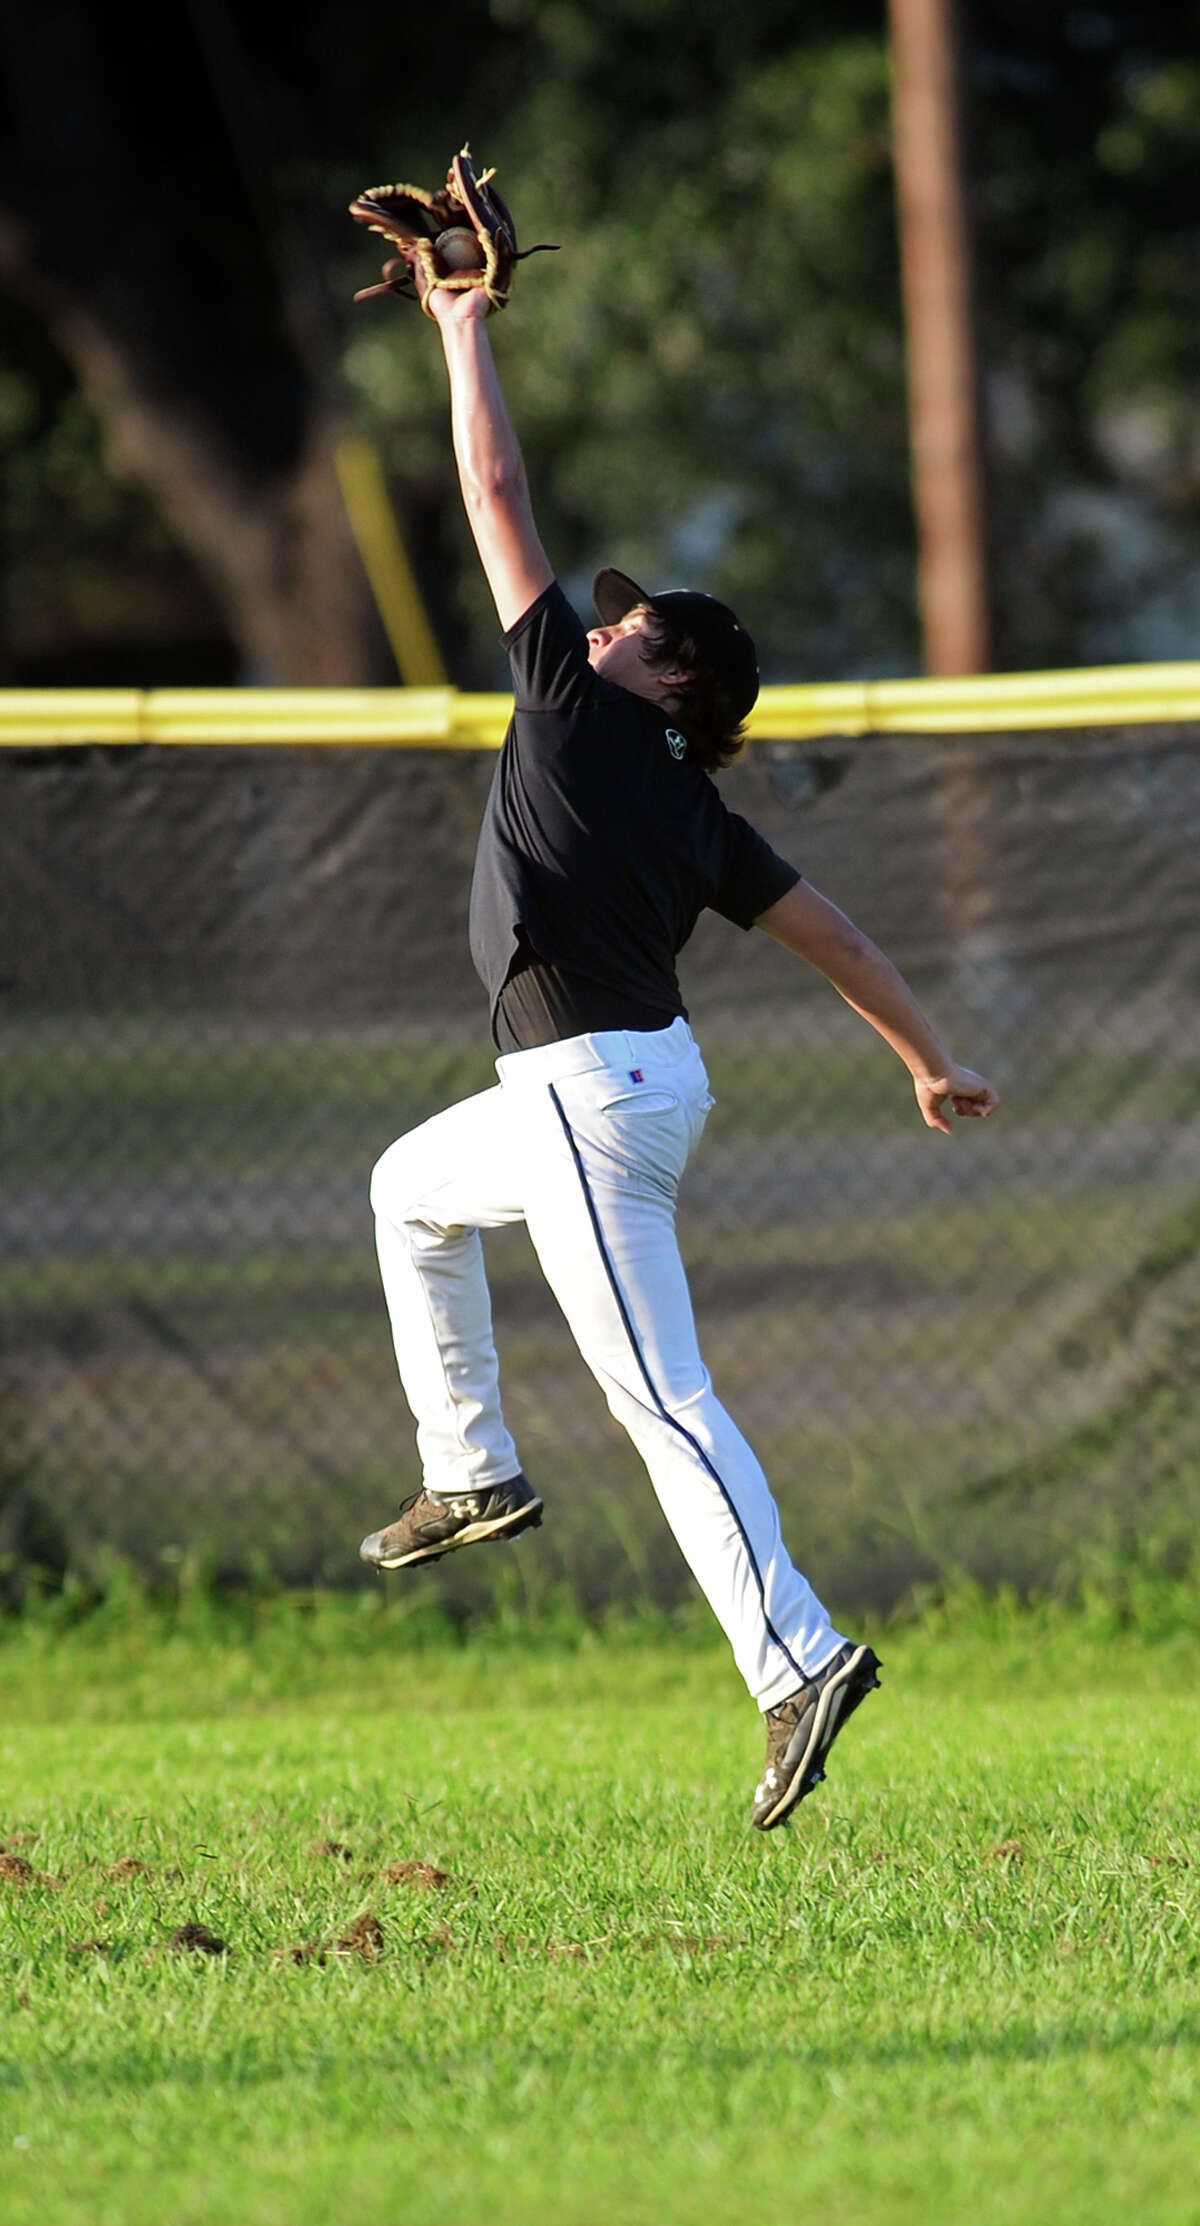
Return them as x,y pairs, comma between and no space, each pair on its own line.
604,838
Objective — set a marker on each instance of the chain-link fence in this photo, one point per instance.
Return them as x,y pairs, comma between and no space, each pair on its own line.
231,977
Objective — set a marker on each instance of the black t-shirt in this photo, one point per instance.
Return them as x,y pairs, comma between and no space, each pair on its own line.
600,846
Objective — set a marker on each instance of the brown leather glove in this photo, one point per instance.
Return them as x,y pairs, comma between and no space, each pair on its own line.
460,238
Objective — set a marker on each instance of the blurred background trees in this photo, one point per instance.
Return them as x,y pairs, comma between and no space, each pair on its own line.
709,381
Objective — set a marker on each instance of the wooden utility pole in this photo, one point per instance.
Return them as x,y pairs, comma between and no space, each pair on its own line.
945,433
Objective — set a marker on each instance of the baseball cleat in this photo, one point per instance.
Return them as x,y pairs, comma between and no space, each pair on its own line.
427,1527
802,1729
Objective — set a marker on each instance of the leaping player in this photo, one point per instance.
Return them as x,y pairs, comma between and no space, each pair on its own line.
603,840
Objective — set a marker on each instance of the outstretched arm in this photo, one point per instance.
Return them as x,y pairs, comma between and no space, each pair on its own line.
812,927
491,471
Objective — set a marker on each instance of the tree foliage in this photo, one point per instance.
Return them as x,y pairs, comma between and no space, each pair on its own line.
708,380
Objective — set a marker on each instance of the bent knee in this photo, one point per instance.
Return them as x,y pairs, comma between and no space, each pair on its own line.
391,1186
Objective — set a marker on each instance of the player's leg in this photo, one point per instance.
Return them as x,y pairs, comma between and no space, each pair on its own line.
603,1221
609,1153
432,1192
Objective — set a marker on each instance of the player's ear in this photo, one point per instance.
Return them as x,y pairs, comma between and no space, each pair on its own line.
669,677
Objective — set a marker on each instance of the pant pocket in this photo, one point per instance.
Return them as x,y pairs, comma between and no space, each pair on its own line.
638,1135
645,1099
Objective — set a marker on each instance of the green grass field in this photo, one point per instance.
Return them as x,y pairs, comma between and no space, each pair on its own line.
963,1987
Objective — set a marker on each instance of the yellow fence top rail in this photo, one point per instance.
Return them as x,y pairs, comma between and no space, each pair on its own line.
442,718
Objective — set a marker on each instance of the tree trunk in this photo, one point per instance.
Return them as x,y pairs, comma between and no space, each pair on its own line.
278,556
125,228
943,383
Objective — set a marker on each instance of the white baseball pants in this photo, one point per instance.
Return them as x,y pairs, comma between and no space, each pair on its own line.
585,1141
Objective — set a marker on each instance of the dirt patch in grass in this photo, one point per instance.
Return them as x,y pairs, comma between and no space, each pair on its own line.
129,1866
301,1951
335,1851
507,1945
194,1939
17,1870
363,1938
412,1872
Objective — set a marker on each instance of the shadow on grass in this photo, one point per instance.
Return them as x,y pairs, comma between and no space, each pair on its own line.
254,2066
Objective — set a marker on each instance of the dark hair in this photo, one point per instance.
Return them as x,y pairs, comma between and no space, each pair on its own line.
702,706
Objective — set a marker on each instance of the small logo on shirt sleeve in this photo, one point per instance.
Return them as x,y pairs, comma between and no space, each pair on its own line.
676,742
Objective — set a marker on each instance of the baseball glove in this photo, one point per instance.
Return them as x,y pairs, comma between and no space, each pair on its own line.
460,238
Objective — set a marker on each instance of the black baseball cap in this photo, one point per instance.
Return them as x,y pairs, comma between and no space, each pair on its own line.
723,646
